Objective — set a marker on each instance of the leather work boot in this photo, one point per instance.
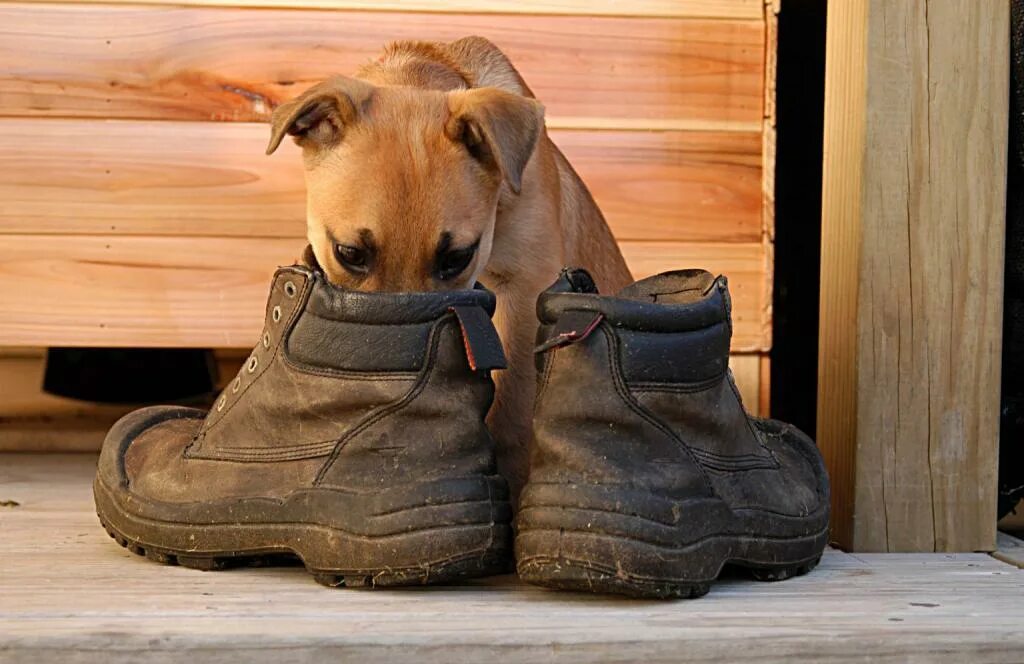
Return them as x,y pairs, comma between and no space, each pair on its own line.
647,476
353,438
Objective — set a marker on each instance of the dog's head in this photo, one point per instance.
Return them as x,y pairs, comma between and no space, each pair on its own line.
403,183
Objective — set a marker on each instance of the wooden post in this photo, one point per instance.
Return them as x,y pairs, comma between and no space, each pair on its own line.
912,270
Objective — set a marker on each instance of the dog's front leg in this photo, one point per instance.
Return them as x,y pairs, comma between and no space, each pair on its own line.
511,418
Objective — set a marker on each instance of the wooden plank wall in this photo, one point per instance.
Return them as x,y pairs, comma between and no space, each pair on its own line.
912,264
137,208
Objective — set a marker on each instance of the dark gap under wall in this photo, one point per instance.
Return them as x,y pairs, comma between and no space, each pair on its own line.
800,112
130,375
1011,437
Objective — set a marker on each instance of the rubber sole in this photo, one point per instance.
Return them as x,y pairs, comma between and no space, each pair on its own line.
596,561
589,576
335,558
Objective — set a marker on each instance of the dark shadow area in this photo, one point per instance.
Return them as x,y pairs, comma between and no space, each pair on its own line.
130,375
1011,438
800,112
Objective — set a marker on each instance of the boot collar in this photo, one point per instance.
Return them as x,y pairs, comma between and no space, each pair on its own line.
668,302
334,303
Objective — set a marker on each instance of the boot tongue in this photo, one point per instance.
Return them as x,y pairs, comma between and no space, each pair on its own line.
678,287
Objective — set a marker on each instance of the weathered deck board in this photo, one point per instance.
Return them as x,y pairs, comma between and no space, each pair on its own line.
69,592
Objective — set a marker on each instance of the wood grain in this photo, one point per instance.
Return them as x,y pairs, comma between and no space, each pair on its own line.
911,299
738,9
764,392
189,63
126,290
842,183
202,178
69,593
688,186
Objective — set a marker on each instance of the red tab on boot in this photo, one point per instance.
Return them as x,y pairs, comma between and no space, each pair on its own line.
572,326
483,347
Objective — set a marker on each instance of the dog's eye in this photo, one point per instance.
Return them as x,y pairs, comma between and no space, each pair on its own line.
353,259
451,264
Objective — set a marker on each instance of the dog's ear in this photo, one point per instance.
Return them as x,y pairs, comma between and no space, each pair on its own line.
498,128
485,66
318,117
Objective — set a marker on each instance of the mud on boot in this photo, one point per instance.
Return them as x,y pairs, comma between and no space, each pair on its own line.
353,438
647,476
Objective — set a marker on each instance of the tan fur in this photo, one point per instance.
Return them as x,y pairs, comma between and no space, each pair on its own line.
435,138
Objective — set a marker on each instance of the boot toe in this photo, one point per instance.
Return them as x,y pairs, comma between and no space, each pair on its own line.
112,470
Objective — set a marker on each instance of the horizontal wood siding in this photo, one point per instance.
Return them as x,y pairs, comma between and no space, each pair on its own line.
137,207
204,178
106,61
131,290
746,9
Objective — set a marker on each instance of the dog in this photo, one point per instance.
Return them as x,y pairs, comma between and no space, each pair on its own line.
432,169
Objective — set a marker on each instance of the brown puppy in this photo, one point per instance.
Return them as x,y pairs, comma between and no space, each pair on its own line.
433,170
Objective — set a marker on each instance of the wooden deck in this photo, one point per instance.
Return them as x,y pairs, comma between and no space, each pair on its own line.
68,593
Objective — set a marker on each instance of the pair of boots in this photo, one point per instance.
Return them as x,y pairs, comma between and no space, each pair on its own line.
354,437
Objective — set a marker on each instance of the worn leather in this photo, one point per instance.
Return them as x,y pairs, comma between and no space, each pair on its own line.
685,301
589,429
358,392
319,343
435,430
394,308
646,401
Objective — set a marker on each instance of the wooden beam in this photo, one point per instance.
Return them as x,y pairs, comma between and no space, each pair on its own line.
209,292
211,63
912,262
743,9
212,178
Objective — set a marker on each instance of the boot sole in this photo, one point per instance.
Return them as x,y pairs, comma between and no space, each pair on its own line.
593,562
424,555
629,542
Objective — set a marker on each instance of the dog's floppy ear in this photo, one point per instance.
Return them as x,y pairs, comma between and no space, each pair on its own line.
498,128
485,66
317,117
